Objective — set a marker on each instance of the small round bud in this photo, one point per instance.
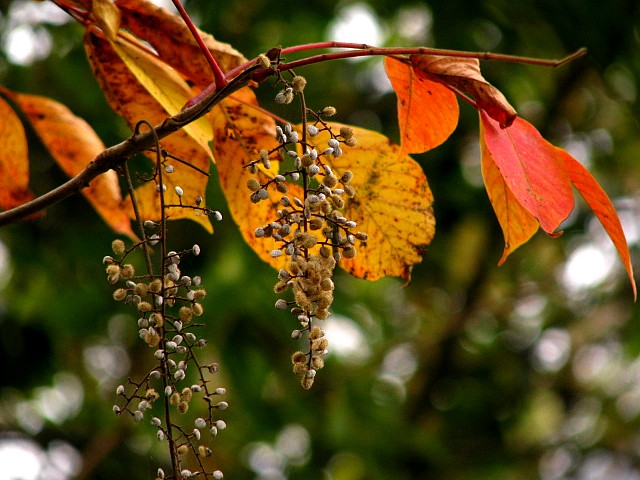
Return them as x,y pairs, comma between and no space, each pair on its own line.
169,169
329,111
220,391
281,304
253,184
108,260
222,405
333,143
120,390
118,247
218,475
138,416
200,422
298,83
160,436
196,250
217,216
116,409
156,422
220,424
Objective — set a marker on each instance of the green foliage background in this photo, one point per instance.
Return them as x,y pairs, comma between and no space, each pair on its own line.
471,371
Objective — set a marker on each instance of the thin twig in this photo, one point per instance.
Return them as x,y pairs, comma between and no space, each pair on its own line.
218,74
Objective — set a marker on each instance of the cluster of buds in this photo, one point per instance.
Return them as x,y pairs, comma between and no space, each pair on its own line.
311,232
168,305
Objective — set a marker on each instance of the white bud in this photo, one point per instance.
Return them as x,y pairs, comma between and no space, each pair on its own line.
333,143
120,390
143,405
164,188
177,339
197,281
276,253
186,473
156,422
159,354
168,390
217,475
155,238
138,415
295,176
108,260
217,216
190,336
179,375
149,224
196,433
160,473
179,191
214,431
222,405
169,169
200,423
293,137
337,152
220,391
196,250
312,130
178,325
171,345
220,424
160,435
196,388
116,409
258,232
155,375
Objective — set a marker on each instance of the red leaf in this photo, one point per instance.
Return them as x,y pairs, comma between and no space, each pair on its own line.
517,224
602,207
532,168
427,111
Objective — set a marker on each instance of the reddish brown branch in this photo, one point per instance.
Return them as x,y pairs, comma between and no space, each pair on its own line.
114,156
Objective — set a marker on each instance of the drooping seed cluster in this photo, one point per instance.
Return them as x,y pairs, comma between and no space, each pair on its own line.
168,305
311,232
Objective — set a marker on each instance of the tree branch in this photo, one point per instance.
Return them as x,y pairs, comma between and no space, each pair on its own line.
116,155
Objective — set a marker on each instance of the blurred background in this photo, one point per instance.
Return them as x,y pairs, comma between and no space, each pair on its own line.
527,371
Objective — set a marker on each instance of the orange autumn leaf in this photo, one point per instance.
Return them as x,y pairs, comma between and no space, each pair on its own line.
517,224
128,98
602,207
464,75
14,159
427,111
532,168
170,37
241,131
393,205
73,144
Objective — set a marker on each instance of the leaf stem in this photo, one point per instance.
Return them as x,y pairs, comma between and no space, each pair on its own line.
218,74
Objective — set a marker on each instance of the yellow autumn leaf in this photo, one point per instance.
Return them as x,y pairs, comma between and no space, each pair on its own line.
393,205
107,17
163,83
127,97
14,159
